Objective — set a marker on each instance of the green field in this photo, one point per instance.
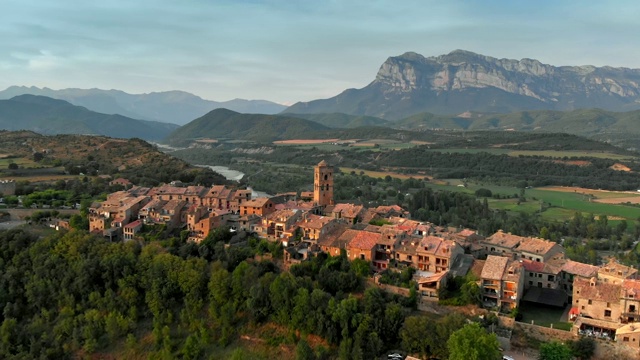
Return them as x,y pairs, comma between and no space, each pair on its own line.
22,162
564,205
546,153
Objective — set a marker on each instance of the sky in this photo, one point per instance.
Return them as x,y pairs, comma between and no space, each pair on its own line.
290,50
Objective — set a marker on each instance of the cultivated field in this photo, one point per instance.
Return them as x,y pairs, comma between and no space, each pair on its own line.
382,174
305,142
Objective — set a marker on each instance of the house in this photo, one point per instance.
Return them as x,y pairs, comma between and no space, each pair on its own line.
312,226
597,299
502,283
362,245
500,243
616,273
350,213
335,240
630,301
572,270
130,230
260,206
542,275
387,211
436,254
629,335
429,285
598,304
279,225
122,182
540,250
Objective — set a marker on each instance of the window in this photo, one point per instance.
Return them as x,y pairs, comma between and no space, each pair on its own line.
530,274
608,304
607,313
577,301
539,275
408,257
550,278
589,301
625,339
530,282
582,307
539,284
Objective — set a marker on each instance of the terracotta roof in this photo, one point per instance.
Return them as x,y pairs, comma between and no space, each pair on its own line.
534,266
504,240
167,189
133,224
494,267
323,163
364,240
617,270
536,246
466,232
311,221
348,211
580,269
333,235
601,291
257,202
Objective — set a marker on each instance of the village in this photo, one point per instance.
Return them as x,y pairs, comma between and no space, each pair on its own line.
602,301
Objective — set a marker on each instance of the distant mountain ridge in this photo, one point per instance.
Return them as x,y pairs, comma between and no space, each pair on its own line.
464,81
176,107
49,116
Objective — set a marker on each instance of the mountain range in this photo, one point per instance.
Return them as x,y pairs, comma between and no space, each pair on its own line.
465,81
176,107
49,116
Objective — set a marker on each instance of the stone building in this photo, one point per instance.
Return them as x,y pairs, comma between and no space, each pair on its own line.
323,184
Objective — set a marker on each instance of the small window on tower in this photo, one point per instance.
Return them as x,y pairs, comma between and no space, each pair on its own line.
326,176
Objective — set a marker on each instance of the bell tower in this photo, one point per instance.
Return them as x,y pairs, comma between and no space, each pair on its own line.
323,184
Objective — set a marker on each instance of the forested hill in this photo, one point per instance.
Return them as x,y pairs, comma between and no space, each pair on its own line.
134,159
618,128
50,116
223,123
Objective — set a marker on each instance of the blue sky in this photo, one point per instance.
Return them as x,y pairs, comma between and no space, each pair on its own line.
288,51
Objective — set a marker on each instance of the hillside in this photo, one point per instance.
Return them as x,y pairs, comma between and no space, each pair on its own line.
176,107
464,81
618,128
223,123
133,159
50,116
339,120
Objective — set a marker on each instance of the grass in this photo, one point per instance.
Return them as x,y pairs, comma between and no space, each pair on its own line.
543,315
22,162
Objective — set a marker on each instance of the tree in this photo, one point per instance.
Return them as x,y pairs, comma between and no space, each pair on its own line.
304,351
472,342
416,335
583,348
555,351
482,192
13,166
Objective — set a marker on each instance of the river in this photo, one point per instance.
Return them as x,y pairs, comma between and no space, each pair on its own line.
234,175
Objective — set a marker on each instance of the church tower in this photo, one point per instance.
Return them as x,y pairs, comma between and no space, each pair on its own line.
323,184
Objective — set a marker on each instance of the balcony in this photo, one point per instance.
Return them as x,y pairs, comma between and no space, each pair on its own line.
491,285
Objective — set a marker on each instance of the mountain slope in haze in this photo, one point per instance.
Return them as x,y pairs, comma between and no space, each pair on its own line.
49,116
338,120
223,123
464,81
176,107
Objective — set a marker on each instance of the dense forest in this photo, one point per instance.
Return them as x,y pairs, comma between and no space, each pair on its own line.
71,294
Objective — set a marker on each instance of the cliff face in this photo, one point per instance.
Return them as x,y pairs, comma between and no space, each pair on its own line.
462,81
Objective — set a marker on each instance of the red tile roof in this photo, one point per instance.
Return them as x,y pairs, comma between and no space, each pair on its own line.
364,240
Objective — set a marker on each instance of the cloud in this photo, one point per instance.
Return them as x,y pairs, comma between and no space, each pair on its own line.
289,51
